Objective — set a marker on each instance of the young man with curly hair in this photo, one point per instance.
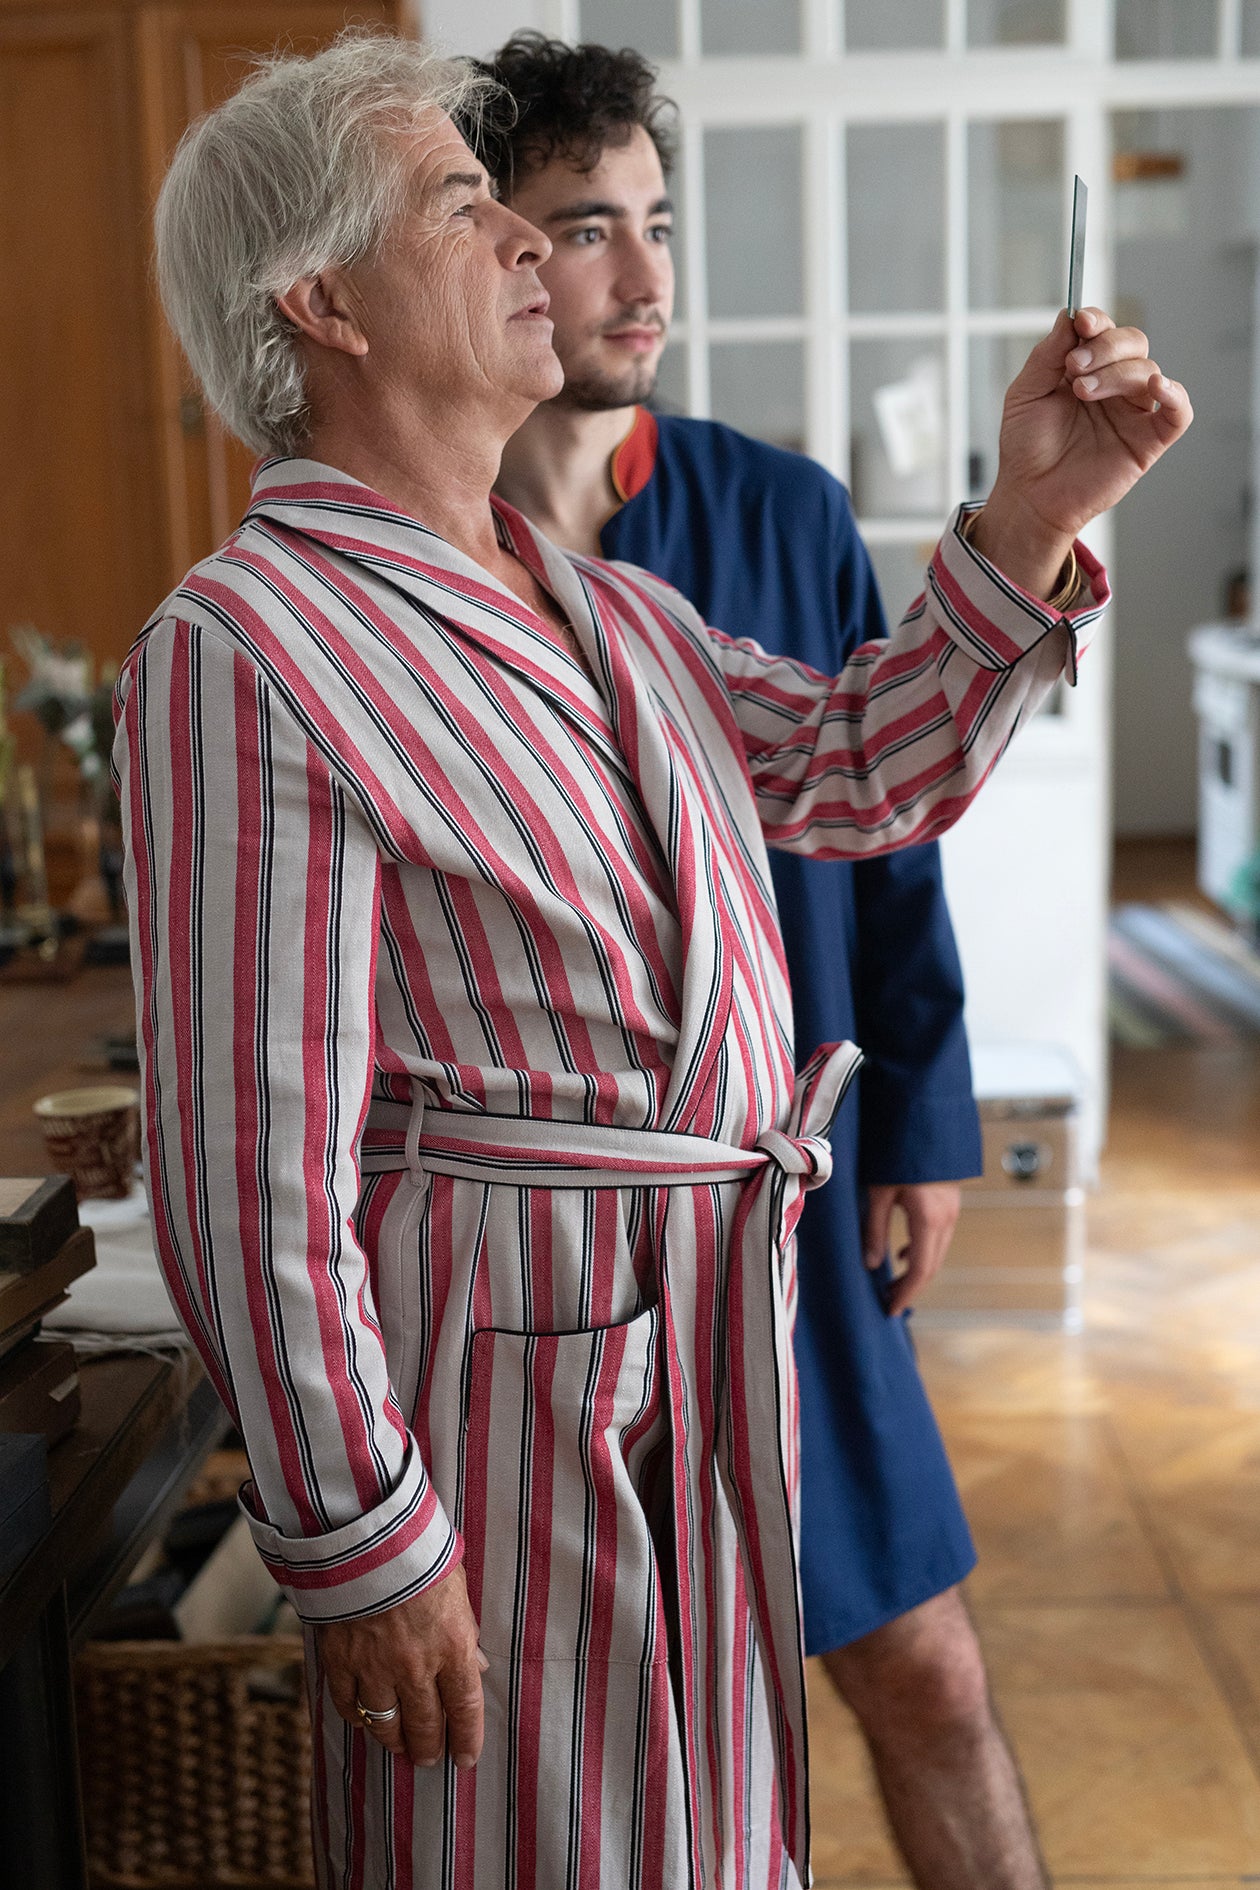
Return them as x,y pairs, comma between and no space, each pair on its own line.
764,543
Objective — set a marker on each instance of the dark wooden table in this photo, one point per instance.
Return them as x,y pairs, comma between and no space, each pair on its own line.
50,1037
145,1426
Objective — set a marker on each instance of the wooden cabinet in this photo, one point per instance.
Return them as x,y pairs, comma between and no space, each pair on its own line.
81,550
190,59
115,479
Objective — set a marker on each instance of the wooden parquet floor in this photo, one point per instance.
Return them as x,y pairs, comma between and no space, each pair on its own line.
1112,1479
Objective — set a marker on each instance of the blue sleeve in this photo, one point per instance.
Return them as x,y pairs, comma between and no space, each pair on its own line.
918,1116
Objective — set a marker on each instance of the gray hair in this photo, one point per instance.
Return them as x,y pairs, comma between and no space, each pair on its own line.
300,171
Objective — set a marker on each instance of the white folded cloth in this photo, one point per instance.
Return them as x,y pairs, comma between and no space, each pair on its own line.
122,1304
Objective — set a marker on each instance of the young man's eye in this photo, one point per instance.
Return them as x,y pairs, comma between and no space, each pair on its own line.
662,232
587,238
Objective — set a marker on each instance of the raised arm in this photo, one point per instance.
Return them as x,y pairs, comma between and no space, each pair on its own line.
893,749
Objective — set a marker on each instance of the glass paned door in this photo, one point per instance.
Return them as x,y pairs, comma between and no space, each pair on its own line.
1166,29
1015,213
1016,22
759,387
749,27
753,194
901,270
876,235
650,26
892,25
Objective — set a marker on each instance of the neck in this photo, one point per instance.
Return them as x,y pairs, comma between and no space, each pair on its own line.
438,467
556,470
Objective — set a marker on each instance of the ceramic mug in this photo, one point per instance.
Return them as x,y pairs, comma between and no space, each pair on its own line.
93,1135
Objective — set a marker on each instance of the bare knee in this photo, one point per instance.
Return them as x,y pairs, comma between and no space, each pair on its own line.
921,1677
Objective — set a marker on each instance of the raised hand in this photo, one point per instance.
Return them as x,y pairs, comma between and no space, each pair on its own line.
1086,416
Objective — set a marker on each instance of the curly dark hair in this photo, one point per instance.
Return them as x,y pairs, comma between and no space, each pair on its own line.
569,102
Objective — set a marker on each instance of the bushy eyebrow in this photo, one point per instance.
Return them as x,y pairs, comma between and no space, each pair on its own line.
461,180
597,207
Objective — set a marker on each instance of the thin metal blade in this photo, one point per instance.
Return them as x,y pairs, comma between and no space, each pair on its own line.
1076,267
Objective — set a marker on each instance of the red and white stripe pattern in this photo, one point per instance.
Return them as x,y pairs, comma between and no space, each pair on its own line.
388,846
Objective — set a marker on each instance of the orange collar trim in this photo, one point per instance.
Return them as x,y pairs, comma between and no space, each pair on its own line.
634,461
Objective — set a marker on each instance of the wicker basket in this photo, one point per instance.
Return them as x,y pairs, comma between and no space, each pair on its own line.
195,1764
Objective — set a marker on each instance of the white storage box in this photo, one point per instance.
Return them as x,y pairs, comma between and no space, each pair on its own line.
1018,1253
1226,662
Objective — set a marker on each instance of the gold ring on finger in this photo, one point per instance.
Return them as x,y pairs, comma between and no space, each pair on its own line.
372,1716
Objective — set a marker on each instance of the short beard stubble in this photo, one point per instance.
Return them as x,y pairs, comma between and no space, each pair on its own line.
599,393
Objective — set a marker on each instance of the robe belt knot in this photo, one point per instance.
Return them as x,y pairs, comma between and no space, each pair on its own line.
808,1156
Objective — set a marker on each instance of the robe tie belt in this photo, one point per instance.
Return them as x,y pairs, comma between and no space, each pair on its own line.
756,1438
531,1151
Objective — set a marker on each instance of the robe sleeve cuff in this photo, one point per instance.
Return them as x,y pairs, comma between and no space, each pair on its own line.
908,1140
993,619
403,1545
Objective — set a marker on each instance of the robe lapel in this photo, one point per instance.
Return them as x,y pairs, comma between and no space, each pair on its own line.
453,595
654,757
618,712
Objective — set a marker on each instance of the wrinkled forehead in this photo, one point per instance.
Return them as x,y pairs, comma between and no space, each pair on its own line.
439,162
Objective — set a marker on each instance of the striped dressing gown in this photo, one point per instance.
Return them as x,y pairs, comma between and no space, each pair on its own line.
475,1146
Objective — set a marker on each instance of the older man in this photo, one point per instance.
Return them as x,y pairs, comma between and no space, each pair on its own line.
472,1132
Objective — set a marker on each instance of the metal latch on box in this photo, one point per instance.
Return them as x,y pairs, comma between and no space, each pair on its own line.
1024,1161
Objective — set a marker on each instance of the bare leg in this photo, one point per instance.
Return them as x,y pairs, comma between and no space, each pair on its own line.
948,1778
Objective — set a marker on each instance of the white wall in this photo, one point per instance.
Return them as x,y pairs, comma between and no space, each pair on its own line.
1185,527
477,26
1025,872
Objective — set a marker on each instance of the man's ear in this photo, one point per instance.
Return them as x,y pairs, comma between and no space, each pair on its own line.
325,309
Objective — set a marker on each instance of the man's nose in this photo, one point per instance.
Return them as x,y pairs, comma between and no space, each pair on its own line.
643,274
523,243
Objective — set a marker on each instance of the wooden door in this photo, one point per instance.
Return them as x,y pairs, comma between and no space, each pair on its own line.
80,546
114,480
190,59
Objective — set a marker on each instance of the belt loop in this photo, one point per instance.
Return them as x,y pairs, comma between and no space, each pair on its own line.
415,1130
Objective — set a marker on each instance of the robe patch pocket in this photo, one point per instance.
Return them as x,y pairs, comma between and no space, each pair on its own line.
560,1430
